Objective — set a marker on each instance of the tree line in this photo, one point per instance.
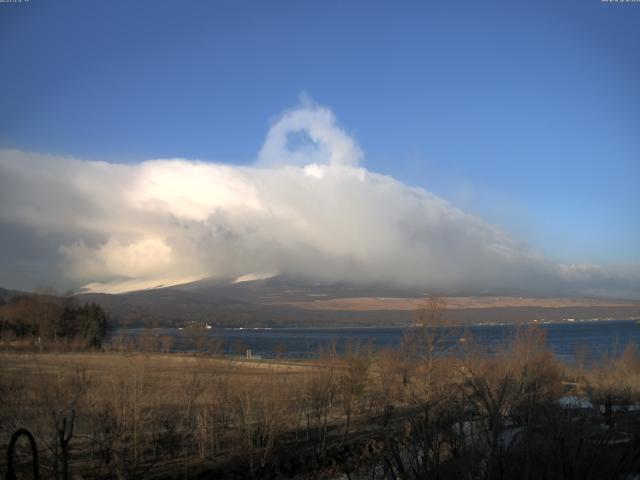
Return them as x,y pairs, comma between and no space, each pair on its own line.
48,319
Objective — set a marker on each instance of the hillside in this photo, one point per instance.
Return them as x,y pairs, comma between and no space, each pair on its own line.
282,301
286,302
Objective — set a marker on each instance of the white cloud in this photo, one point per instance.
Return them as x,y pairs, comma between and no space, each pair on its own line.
305,208
326,142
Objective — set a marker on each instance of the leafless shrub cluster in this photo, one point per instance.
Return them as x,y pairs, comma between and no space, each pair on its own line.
615,381
506,416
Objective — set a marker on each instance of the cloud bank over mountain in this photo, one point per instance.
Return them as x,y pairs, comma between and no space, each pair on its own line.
307,207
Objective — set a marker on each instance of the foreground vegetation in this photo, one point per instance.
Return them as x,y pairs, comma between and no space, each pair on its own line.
417,412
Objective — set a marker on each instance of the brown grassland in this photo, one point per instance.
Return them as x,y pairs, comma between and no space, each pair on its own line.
411,304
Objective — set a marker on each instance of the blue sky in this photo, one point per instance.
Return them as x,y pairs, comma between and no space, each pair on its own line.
524,113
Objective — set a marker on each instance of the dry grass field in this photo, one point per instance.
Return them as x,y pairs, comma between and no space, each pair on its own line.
411,304
406,413
138,399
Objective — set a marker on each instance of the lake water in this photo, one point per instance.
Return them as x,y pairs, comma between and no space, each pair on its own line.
597,338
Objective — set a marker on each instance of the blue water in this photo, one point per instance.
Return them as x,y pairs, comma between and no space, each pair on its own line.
595,338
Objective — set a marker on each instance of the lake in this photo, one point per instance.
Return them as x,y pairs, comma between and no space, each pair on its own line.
599,338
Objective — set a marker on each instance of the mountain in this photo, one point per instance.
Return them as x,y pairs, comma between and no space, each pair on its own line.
257,303
289,302
6,294
284,301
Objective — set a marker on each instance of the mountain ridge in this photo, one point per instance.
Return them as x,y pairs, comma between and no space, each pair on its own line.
288,302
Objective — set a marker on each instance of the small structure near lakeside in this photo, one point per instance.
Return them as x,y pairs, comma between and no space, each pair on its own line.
251,356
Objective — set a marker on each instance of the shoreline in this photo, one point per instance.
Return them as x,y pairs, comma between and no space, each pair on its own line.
391,326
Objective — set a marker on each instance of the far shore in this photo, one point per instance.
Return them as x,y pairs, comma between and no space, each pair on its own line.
382,326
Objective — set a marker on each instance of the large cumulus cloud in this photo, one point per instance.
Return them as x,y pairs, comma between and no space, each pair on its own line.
306,207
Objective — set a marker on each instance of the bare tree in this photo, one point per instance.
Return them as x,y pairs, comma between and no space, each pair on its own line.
59,400
166,343
353,379
147,341
430,338
279,349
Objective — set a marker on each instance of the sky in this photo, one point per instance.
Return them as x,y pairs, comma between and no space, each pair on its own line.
512,127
